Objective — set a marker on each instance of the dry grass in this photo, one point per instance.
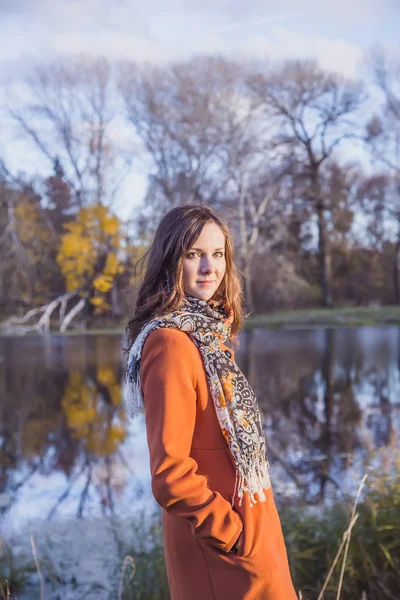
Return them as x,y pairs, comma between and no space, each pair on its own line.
379,514
345,544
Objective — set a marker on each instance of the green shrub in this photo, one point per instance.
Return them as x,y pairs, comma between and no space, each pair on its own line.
373,561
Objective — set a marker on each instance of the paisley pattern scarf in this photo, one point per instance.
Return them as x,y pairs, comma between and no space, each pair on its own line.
207,324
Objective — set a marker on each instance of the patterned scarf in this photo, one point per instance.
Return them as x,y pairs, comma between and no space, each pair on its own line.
208,324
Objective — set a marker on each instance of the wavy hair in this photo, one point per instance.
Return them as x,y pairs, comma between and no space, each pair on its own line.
161,290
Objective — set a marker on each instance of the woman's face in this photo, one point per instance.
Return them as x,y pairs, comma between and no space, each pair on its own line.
204,263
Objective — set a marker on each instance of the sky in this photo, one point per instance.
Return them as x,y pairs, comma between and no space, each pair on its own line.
336,33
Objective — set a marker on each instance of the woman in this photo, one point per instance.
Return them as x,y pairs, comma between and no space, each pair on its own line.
222,534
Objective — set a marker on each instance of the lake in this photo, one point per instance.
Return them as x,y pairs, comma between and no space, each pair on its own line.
71,458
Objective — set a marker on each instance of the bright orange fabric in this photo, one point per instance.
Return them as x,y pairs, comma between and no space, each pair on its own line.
193,479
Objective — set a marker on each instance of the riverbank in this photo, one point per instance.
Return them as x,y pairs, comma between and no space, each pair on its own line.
346,316
116,559
313,317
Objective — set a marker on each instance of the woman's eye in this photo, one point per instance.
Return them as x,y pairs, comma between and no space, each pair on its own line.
193,254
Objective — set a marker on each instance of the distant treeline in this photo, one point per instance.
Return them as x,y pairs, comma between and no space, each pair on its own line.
303,163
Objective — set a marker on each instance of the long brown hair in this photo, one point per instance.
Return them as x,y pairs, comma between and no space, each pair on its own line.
161,290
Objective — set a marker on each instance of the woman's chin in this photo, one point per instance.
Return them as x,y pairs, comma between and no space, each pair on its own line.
202,294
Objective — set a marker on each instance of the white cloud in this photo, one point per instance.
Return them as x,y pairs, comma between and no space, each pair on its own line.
111,44
237,25
127,13
280,43
340,9
332,54
158,31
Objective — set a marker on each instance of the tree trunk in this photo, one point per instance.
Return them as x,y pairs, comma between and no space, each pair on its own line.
115,301
89,309
323,252
326,440
396,278
245,254
248,292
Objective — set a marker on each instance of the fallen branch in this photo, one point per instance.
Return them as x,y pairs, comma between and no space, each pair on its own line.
72,313
17,324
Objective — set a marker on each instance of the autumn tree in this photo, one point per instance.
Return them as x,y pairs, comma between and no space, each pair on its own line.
314,112
90,258
27,246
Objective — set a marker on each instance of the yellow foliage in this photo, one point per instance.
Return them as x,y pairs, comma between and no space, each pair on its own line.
112,264
97,301
100,303
106,377
90,415
103,283
101,445
111,226
93,239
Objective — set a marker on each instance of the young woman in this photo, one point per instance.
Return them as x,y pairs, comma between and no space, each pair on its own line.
222,534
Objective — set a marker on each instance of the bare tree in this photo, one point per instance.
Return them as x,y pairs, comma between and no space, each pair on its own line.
383,135
251,196
394,209
383,129
314,113
176,112
202,140
14,261
67,109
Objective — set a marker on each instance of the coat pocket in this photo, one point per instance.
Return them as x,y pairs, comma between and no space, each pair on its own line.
217,468
241,547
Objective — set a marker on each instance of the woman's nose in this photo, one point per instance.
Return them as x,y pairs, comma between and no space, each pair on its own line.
206,265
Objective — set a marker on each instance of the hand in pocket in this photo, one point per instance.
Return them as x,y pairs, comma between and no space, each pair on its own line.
240,546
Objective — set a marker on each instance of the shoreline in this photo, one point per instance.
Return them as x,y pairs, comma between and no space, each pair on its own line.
314,317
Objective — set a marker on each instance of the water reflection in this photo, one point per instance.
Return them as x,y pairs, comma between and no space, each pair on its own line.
326,396
62,412
68,448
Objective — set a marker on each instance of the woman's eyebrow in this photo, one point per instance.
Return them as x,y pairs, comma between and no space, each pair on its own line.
200,249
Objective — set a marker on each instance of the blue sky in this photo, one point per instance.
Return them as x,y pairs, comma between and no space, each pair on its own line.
336,33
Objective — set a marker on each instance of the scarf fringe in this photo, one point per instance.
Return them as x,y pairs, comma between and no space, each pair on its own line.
257,481
133,388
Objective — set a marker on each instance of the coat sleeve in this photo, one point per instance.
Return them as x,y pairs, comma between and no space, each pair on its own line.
168,376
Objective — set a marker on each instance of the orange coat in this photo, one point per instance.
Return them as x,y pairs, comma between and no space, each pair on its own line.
193,479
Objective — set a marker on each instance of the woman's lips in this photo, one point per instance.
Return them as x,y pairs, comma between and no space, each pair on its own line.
205,282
